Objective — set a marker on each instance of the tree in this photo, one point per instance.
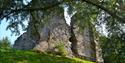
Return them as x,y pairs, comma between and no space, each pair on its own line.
5,43
113,49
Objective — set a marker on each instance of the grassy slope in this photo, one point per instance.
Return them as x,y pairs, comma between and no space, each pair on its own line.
18,56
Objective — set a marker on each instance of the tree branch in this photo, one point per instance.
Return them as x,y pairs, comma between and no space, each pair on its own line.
28,9
113,14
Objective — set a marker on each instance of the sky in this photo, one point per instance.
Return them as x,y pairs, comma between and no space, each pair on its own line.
7,33
67,16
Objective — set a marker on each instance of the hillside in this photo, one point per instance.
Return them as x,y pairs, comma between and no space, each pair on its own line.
19,56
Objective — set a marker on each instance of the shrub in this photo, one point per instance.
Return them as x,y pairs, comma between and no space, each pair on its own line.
5,43
61,49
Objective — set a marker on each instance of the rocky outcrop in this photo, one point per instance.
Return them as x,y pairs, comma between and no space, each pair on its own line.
85,46
25,42
56,33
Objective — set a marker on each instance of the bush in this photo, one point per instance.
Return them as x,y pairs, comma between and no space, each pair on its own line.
5,43
61,49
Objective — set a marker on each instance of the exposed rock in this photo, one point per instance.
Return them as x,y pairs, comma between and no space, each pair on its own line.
51,35
24,42
98,52
55,33
85,48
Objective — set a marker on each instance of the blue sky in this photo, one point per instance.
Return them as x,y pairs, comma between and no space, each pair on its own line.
7,33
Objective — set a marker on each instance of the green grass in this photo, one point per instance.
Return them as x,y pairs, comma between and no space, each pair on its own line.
19,56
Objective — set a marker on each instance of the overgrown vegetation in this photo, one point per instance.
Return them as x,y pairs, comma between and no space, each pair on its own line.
61,49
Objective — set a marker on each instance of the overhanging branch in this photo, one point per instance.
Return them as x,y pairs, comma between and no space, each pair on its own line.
113,14
28,9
